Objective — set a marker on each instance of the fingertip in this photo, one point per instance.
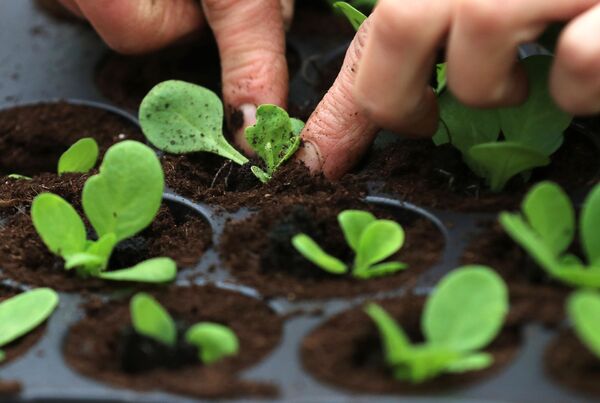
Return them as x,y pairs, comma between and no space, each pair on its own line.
240,119
311,157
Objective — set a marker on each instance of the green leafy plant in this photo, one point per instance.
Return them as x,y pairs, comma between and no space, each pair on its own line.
119,202
18,177
353,15
545,228
498,144
80,157
583,308
214,341
24,312
372,241
464,314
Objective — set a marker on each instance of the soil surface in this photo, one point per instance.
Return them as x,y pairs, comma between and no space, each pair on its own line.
346,352
92,345
32,138
177,232
534,295
569,362
259,253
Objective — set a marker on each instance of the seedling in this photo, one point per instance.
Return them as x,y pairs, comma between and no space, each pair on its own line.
119,202
18,177
546,228
180,117
213,341
24,312
584,311
498,144
80,157
372,241
464,314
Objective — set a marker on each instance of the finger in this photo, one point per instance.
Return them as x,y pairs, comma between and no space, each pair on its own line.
251,42
287,10
138,26
338,132
575,78
482,46
392,81
71,6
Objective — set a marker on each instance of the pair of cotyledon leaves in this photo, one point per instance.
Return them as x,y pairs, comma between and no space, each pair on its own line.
372,241
119,202
180,117
546,228
214,341
464,314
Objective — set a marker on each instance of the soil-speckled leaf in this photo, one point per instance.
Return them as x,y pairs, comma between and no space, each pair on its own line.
58,224
150,319
124,197
549,212
396,344
80,157
313,252
355,17
180,117
214,341
379,240
156,270
24,312
590,226
584,310
353,224
466,310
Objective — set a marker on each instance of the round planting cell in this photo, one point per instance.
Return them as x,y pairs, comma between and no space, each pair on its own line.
93,345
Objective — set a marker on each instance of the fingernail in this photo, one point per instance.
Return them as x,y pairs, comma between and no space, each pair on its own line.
248,112
310,156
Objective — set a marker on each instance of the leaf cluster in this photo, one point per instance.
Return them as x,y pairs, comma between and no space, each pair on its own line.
464,314
546,228
372,241
119,202
213,340
498,144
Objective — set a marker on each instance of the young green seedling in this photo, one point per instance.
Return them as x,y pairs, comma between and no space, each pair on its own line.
80,157
275,138
214,341
18,177
546,228
372,241
464,314
119,202
24,312
584,311
498,144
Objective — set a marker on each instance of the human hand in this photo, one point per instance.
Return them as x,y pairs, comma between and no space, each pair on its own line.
385,84
249,33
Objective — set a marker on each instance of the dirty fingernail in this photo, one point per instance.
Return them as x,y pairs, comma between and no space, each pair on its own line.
248,112
310,156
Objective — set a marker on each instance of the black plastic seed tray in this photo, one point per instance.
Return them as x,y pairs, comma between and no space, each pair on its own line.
44,59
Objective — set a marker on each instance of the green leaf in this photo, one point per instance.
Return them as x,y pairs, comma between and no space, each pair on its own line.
590,226
380,270
584,310
539,122
578,276
24,312
84,259
156,270
379,240
313,252
180,117
466,310
471,362
274,137
260,174
424,362
214,341
124,197
441,75
396,344
58,224
150,319
355,17
18,177
498,162
80,157
353,224
550,214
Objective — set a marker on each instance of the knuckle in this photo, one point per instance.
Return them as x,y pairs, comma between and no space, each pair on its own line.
482,15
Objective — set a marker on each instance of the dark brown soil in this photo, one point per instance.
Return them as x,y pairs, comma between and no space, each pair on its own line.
420,172
176,232
534,296
346,352
259,253
32,138
91,346
570,363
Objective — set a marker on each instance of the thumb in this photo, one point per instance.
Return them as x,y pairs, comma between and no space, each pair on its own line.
338,132
251,41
